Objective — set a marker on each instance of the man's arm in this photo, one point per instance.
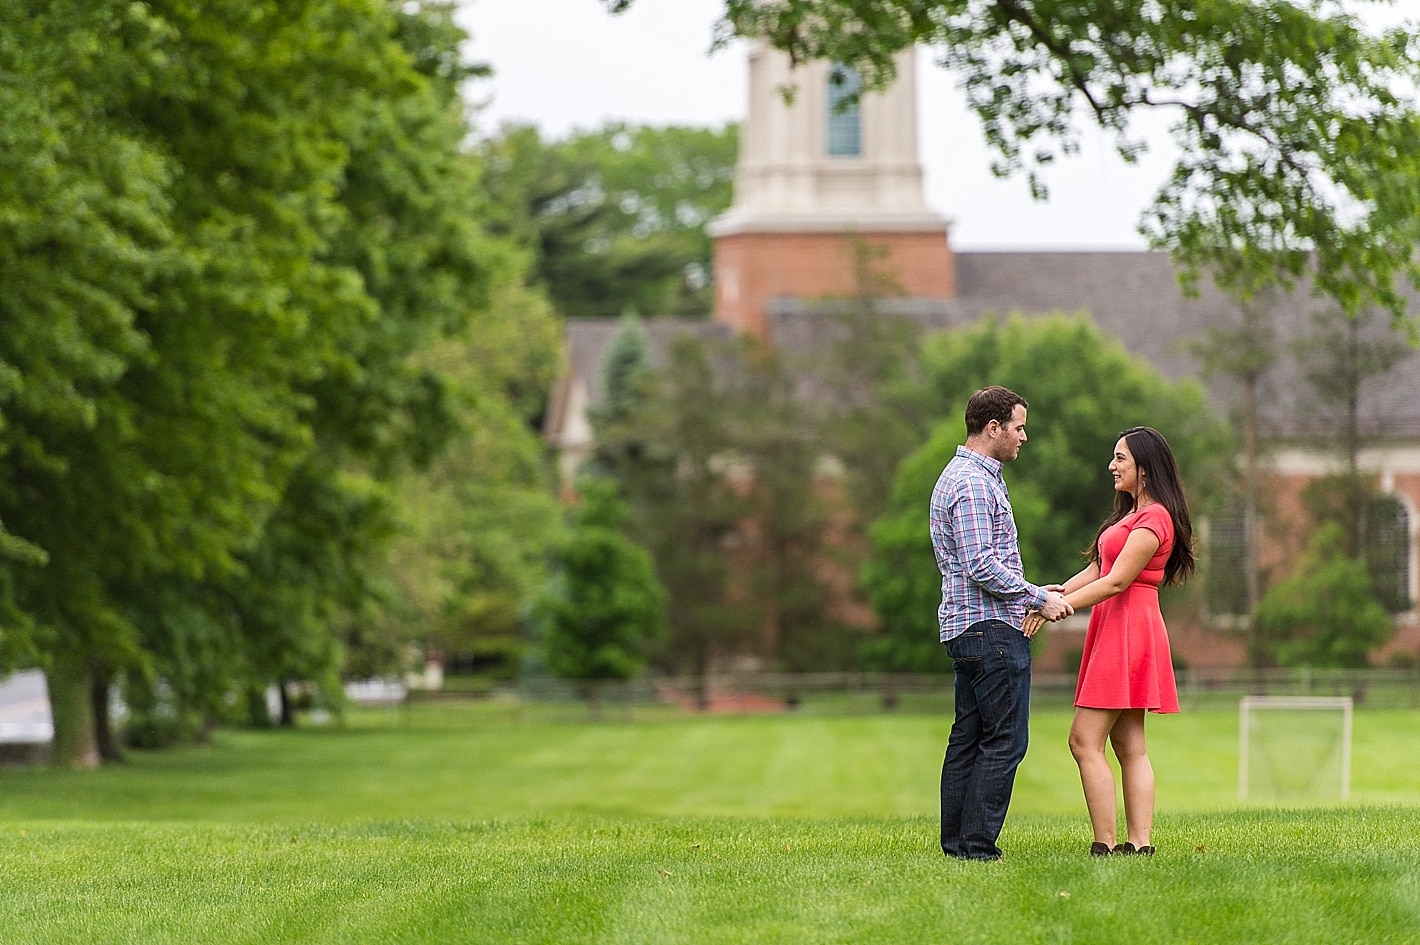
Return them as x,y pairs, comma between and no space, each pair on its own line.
971,525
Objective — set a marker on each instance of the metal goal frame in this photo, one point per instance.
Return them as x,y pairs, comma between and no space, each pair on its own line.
1249,703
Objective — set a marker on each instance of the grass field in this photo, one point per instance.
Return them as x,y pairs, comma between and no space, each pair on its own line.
451,824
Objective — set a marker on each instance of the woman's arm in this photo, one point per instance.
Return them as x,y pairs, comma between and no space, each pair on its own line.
1139,547
1088,573
1034,621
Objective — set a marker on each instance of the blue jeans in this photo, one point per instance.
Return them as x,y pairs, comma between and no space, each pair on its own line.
988,740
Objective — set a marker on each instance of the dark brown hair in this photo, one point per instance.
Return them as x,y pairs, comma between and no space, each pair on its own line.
1159,477
991,403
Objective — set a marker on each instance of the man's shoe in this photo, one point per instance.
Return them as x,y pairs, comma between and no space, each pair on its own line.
1145,851
1101,849
975,857
1126,849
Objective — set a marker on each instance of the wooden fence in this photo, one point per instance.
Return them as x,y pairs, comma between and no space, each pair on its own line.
860,693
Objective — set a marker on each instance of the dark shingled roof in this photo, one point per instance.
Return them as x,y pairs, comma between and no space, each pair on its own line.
588,340
1135,297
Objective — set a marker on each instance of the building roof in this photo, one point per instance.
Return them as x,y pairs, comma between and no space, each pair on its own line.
587,340
1134,297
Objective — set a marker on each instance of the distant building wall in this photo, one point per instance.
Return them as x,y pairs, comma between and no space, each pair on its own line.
753,268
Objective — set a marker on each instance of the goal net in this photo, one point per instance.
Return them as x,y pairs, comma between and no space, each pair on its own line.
1294,748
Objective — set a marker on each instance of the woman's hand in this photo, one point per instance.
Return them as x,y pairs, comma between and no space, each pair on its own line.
1034,619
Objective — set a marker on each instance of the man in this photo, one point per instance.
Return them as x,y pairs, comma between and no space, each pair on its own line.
985,598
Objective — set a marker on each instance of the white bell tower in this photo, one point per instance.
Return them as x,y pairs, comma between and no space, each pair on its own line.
812,177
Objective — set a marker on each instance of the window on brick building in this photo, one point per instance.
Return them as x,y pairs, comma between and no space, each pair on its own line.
1388,550
845,138
1225,577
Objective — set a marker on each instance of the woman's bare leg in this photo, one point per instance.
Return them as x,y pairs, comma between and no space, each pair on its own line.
1127,739
1088,733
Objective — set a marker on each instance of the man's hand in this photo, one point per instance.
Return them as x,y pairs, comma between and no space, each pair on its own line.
1056,608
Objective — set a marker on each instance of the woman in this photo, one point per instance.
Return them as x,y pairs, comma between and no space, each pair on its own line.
1126,668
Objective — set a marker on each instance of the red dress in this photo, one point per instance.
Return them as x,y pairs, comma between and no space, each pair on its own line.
1126,663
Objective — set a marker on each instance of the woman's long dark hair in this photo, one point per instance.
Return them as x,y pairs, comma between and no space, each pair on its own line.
1155,463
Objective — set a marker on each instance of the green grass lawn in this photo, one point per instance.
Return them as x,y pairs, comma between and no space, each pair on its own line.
457,824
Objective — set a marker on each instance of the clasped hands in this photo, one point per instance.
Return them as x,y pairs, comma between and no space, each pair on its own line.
1056,608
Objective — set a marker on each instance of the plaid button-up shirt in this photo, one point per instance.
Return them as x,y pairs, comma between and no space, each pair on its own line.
978,552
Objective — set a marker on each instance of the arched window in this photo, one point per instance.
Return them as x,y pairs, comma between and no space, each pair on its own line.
1225,562
845,138
1387,543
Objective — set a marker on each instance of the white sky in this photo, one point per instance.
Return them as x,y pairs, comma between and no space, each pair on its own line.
565,64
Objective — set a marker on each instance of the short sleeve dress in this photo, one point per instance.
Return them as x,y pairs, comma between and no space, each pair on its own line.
1126,663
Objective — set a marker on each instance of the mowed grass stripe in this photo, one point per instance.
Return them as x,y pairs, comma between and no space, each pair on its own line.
1327,876
387,767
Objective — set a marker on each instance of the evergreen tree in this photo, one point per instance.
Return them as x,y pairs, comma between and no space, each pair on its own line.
626,375
689,507
603,607
779,439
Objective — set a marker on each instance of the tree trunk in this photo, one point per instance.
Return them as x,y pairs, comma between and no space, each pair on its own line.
702,678
1355,502
258,714
1251,525
108,746
288,717
71,701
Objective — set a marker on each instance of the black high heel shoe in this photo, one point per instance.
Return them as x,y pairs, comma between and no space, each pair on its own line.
1129,849
1100,849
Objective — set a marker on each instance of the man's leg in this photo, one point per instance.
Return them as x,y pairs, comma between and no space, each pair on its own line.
964,743
1003,703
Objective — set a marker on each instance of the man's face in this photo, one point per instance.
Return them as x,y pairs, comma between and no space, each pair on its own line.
1006,440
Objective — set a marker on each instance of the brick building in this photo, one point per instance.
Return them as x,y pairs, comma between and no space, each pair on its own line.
815,179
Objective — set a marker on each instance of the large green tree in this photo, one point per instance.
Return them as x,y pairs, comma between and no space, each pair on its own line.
1244,350
136,447
225,231
82,235
1297,130
752,472
615,218
723,459
1083,389
407,214
477,523
667,439
1340,360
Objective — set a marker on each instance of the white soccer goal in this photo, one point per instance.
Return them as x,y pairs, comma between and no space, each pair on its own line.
1294,748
